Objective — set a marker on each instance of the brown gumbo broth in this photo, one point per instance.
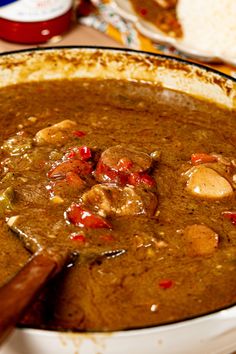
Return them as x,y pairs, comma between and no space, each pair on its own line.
144,173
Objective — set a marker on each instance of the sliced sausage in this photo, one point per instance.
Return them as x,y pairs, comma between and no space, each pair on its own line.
207,183
59,170
55,134
118,161
113,200
200,240
68,186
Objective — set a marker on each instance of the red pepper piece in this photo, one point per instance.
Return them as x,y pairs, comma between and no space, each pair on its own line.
148,180
199,158
166,283
231,215
123,176
85,153
71,155
108,174
82,153
78,238
82,168
136,179
79,216
79,133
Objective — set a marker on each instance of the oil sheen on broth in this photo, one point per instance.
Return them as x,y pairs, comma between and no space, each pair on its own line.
144,174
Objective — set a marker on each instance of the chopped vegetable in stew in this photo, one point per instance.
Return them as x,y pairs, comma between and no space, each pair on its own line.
139,181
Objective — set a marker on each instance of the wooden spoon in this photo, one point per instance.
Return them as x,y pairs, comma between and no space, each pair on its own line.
18,294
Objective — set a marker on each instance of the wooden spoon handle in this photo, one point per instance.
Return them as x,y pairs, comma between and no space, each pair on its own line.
21,290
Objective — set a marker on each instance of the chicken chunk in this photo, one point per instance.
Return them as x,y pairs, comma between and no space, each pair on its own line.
207,183
32,195
108,200
200,240
55,134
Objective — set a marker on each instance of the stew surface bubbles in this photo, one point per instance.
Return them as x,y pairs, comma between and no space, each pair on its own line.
139,180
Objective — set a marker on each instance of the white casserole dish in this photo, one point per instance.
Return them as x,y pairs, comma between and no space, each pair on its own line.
211,334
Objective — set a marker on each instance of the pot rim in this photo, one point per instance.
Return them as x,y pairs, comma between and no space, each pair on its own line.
206,68
211,316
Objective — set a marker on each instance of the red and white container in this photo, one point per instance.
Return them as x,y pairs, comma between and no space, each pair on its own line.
34,21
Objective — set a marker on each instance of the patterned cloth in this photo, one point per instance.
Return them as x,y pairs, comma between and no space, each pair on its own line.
106,20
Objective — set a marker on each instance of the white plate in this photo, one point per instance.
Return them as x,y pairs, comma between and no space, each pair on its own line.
125,10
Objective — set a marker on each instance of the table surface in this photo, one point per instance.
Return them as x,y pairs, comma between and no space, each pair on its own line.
78,35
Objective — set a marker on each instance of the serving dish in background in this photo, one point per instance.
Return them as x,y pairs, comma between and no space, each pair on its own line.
125,10
213,333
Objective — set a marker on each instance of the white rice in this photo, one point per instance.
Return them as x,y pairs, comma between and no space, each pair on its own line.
209,26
